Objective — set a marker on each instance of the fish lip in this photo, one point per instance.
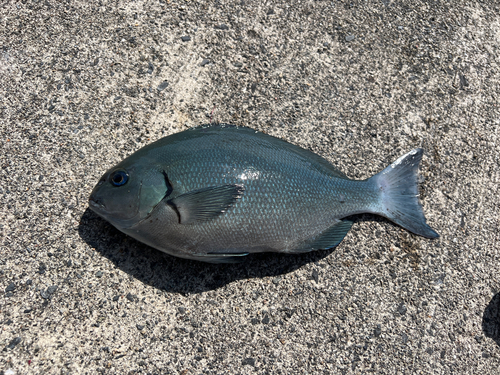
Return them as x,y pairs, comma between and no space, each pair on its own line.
95,204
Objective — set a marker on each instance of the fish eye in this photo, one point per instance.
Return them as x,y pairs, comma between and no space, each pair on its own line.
119,178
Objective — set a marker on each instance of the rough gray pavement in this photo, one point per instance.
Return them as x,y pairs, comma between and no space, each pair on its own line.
85,83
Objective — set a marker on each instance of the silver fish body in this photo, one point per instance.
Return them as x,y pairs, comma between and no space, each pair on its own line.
216,193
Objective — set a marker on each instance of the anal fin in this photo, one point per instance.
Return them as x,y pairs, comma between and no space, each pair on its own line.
329,238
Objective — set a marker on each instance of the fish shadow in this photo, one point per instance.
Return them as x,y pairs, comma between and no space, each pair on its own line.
177,275
491,319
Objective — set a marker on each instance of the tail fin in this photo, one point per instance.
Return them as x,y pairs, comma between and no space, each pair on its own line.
399,194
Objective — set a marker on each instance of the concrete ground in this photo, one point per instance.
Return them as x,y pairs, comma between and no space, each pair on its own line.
85,83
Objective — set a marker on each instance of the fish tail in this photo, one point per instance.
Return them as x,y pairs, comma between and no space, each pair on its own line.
399,194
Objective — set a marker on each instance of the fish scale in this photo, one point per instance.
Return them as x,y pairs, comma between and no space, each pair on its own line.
216,193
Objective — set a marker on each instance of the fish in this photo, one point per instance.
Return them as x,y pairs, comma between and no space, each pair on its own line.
217,193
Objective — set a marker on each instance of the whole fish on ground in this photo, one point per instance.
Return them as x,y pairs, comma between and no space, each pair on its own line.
217,193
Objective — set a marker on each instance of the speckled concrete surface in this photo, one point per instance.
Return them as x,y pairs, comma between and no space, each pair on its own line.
82,84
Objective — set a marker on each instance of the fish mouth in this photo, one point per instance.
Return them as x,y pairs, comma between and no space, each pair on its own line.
113,214
96,205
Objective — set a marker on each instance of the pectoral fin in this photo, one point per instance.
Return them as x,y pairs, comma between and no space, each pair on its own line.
205,204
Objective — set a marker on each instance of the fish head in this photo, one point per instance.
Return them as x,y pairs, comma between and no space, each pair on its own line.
128,192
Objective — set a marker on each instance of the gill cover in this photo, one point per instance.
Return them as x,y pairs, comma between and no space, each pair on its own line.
126,194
